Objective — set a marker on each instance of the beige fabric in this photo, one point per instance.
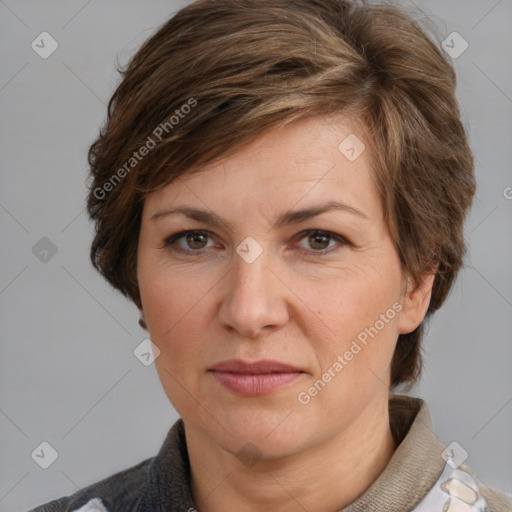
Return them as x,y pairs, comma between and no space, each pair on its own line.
415,466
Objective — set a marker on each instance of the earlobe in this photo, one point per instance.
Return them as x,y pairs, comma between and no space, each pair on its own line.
142,320
415,304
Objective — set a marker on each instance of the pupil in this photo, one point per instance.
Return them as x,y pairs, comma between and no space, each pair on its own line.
318,236
193,237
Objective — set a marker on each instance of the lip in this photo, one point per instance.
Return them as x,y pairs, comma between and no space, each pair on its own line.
257,367
255,378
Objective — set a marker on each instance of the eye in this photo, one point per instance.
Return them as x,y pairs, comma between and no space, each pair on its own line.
196,241
319,241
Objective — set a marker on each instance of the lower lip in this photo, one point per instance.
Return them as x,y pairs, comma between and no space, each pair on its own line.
254,385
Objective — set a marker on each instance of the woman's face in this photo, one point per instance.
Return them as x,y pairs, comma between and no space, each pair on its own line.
248,288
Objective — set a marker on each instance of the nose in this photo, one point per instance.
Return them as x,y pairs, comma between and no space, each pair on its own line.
254,297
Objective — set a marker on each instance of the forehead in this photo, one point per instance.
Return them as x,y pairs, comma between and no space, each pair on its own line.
306,161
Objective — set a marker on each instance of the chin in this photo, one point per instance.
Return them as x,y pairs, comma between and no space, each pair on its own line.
271,433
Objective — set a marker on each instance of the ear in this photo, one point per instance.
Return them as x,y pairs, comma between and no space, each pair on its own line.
142,320
415,303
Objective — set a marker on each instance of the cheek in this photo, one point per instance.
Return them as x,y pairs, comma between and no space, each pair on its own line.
168,309
173,313
347,307
356,320
171,298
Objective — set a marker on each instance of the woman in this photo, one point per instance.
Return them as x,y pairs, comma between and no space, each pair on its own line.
280,188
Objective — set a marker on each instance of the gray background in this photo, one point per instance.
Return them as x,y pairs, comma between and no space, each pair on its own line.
68,374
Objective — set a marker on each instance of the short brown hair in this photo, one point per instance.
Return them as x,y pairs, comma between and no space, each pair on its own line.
221,72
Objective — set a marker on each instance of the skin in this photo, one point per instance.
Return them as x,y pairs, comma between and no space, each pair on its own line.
290,304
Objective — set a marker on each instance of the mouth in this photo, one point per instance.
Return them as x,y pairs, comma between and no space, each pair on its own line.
256,378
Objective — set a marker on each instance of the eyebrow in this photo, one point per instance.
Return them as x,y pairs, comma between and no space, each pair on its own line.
288,218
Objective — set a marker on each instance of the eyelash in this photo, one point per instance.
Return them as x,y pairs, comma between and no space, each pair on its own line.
171,240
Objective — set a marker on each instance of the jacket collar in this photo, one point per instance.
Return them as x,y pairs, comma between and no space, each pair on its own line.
168,483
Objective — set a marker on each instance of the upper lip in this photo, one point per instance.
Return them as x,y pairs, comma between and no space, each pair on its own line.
256,367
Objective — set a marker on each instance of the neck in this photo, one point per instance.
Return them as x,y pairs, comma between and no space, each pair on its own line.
326,477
